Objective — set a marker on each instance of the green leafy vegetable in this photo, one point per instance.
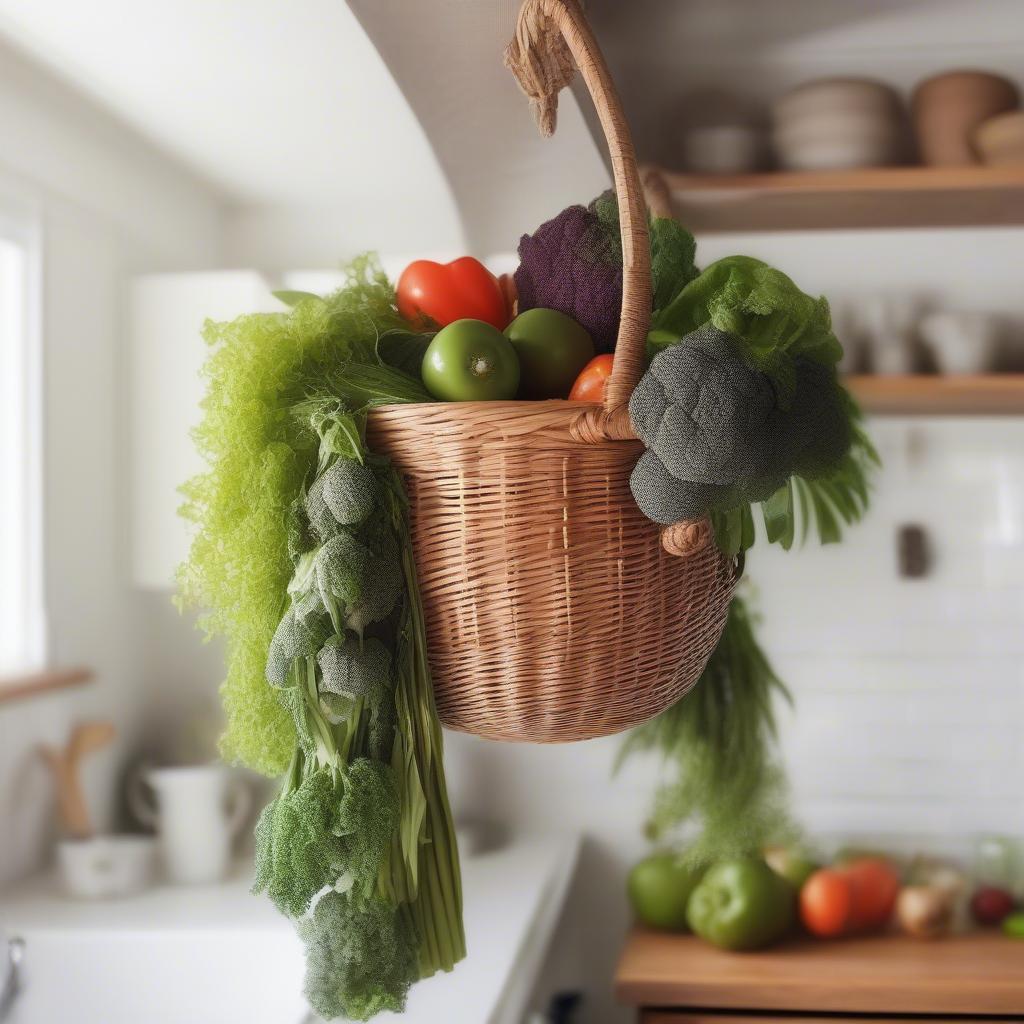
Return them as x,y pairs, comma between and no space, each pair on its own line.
304,557
291,297
259,455
825,504
718,748
404,350
759,304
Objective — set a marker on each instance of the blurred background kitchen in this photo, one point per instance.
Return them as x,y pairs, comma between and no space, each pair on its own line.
165,162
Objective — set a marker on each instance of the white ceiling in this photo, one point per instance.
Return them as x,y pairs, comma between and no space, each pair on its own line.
272,102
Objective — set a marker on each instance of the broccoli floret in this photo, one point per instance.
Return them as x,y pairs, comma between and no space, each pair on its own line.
321,519
360,957
343,495
716,434
367,821
341,568
349,490
299,634
297,849
350,669
385,570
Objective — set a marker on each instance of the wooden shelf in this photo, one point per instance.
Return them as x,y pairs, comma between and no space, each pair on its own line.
991,395
19,687
973,974
874,197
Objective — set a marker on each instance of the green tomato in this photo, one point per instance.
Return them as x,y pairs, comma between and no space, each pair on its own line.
552,349
659,889
742,904
470,361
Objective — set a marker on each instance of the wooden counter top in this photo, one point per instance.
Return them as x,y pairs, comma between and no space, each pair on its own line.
978,973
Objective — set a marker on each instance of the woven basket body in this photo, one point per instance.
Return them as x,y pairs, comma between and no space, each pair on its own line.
553,611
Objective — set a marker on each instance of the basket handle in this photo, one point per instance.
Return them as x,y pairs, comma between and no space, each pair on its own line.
552,39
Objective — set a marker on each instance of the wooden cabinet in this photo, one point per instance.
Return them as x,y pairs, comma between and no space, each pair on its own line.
677,979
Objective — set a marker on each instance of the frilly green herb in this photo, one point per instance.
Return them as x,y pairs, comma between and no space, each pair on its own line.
303,561
259,454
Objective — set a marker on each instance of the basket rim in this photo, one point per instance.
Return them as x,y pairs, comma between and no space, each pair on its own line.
506,405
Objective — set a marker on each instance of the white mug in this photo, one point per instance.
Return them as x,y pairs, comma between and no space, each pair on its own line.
962,343
197,812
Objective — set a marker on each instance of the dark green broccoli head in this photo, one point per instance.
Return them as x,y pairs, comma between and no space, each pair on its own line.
716,434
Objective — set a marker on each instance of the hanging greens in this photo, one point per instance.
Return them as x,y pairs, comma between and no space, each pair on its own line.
718,748
259,456
359,846
303,559
743,418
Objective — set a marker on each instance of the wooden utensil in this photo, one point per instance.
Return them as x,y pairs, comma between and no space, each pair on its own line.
85,738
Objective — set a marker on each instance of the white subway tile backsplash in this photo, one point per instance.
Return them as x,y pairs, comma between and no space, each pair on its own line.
909,693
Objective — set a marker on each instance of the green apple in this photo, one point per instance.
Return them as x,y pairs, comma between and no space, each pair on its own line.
659,889
552,349
470,361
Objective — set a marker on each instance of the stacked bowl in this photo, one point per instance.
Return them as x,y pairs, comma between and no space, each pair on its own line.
837,124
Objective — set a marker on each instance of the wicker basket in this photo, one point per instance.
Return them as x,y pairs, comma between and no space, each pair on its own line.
555,610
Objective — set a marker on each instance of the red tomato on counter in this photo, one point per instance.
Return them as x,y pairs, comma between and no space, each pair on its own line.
445,292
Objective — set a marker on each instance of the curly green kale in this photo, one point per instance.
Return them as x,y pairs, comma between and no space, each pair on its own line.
259,455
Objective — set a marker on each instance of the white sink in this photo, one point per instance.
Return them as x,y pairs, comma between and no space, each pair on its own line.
217,955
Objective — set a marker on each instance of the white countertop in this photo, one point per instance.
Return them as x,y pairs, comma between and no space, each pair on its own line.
216,954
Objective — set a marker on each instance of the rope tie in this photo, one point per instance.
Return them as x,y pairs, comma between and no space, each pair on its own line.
541,62
687,538
594,425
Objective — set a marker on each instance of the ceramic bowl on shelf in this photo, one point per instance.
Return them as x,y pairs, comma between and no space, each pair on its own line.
836,97
1000,139
948,108
722,149
107,867
838,124
822,145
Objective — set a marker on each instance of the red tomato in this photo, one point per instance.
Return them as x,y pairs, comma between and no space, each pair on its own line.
589,386
875,888
445,292
826,903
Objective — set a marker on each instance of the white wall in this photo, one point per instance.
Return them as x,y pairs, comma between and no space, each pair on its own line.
109,206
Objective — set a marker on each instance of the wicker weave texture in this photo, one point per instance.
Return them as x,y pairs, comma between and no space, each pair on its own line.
553,612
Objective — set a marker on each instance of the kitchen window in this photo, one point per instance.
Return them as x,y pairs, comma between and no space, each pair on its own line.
22,619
